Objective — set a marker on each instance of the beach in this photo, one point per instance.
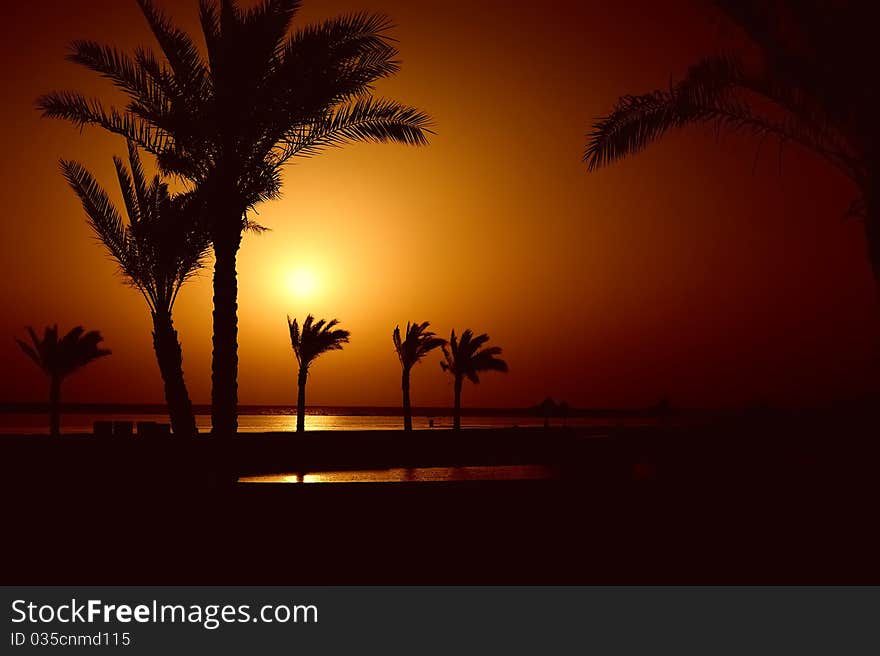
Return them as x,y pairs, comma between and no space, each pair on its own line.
733,503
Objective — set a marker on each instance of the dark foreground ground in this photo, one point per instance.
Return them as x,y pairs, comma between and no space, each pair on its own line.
747,502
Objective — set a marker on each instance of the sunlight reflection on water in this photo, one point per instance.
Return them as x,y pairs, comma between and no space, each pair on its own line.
80,423
414,475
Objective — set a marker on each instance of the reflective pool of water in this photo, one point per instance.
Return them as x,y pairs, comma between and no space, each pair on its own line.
414,475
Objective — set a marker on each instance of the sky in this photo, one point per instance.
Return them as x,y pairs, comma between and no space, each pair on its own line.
695,271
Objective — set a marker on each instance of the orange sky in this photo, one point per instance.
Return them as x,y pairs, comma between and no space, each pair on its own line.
679,273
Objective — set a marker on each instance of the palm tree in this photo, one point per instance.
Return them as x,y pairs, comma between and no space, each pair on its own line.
308,343
418,343
812,84
160,248
60,358
466,358
229,123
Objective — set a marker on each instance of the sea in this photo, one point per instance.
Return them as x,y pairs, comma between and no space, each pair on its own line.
270,420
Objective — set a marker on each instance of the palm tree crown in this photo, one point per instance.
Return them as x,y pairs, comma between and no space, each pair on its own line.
466,357
315,338
161,246
419,341
261,97
810,83
61,357
818,95
229,122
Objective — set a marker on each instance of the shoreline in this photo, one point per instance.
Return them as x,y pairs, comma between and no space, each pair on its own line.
708,454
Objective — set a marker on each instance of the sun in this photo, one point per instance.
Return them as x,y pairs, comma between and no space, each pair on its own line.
302,283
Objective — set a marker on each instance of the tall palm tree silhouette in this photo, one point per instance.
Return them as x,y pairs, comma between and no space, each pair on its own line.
58,358
308,343
466,358
230,123
160,248
812,84
419,341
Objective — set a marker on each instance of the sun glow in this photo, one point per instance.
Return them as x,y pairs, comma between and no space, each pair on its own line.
301,283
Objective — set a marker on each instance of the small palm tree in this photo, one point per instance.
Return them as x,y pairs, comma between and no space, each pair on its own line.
308,343
160,248
419,341
229,115
812,84
58,358
466,358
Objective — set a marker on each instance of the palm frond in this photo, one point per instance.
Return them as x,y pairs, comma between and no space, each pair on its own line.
126,73
315,338
82,111
366,119
101,213
177,46
61,357
344,35
355,48
777,98
132,199
419,341
266,25
464,357
164,243
137,173
30,352
210,22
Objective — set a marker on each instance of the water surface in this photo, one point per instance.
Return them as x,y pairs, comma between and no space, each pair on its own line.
414,475
79,423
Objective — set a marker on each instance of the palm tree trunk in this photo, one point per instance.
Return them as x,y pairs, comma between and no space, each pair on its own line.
456,413
407,408
224,372
170,360
301,400
55,405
